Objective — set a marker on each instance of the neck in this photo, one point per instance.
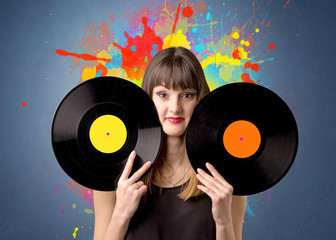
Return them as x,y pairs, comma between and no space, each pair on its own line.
174,167
173,151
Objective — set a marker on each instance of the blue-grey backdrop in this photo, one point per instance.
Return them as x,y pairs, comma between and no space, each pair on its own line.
36,201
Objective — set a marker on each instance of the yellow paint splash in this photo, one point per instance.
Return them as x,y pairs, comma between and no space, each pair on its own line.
117,72
88,73
74,205
235,35
89,211
103,54
176,40
246,43
257,30
75,232
243,54
219,59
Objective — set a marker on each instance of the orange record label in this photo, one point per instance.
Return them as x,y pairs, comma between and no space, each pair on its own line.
241,139
108,134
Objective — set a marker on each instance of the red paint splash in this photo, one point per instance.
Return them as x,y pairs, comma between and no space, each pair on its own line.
176,18
286,5
255,67
247,65
24,104
187,12
85,56
103,68
135,62
246,78
271,46
235,54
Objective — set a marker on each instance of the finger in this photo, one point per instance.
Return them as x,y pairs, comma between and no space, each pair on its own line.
135,177
142,190
128,167
207,191
217,175
138,184
208,180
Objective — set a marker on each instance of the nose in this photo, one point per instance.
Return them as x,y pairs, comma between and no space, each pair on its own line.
175,105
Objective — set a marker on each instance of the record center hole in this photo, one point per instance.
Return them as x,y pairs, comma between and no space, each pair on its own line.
234,135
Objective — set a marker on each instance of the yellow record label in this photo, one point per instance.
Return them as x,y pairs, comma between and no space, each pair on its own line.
108,133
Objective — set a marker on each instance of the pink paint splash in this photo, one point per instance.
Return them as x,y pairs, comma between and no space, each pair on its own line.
139,51
80,190
56,191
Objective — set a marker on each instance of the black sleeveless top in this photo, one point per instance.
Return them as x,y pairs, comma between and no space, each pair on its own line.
167,217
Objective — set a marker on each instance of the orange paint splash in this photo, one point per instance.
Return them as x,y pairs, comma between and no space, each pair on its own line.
235,54
101,67
286,4
271,46
176,18
255,67
187,12
136,61
85,56
24,104
247,65
246,78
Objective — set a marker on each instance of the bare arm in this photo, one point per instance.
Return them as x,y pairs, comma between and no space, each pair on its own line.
227,210
114,210
104,203
238,212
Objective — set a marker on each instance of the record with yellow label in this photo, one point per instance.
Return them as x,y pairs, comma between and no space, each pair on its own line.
98,124
247,132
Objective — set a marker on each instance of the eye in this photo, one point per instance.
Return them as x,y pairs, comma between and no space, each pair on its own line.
188,95
162,94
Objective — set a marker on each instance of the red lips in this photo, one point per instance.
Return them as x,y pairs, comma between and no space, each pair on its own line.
175,119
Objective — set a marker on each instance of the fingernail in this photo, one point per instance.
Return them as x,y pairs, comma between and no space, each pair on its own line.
148,163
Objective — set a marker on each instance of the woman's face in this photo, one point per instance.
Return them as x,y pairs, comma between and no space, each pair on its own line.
175,108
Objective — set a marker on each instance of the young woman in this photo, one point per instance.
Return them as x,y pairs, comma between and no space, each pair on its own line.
172,201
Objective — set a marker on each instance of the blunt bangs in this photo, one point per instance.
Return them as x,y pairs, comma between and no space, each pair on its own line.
175,68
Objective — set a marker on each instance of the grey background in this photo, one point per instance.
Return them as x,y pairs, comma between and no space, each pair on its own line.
301,206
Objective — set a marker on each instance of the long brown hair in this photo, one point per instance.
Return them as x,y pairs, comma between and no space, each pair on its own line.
176,68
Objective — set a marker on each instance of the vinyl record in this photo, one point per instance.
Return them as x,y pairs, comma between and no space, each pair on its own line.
247,133
98,124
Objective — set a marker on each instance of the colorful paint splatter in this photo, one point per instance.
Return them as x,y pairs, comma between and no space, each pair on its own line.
229,48
228,51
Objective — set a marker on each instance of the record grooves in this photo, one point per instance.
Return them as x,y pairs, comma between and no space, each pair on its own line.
247,132
98,124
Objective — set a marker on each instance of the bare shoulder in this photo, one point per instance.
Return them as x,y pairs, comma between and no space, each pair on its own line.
104,203
238,212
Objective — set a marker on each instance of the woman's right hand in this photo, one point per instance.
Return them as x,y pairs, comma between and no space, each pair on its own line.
129,190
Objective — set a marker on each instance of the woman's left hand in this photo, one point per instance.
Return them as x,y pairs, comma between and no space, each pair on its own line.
220,192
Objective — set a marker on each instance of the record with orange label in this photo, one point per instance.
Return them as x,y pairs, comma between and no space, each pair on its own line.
98,124
247,132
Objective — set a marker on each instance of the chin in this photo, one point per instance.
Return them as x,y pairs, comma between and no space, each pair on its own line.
174,132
